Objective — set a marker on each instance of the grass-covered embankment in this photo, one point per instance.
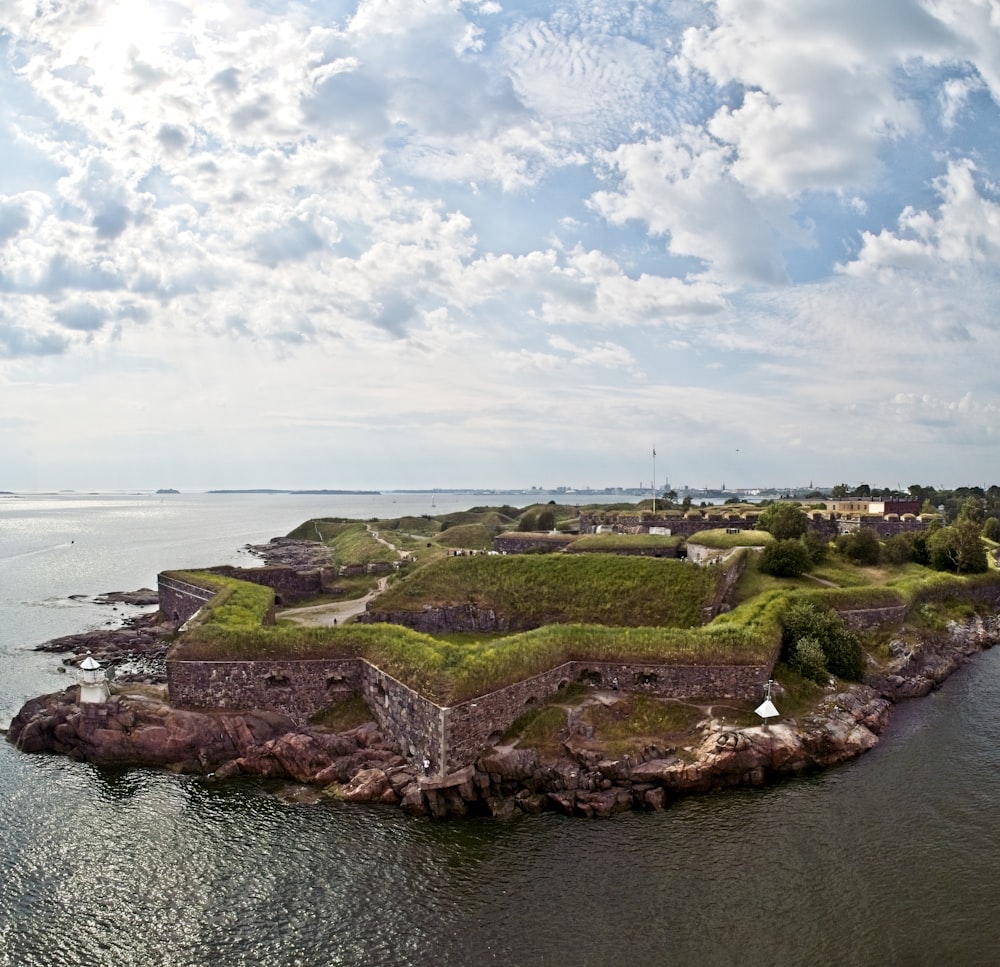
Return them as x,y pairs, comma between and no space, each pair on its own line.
562,589
627,543
448,672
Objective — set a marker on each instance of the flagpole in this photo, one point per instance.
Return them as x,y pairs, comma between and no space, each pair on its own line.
654,480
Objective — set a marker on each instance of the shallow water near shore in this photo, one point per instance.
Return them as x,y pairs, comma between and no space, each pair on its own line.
891,859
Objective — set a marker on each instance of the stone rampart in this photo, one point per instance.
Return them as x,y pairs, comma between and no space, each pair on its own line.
413,722
300,688
625,522
477,724
431,621
863,618
522,543
438,739
179,600
288,583
881,526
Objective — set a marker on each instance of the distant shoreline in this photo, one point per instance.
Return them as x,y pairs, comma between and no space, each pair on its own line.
333,493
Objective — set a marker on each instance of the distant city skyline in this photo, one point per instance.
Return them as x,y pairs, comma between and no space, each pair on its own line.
374,243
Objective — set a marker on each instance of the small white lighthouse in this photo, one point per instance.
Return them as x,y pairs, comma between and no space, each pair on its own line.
766,710
93,683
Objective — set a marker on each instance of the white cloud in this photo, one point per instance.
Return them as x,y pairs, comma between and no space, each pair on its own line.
964,234
448,222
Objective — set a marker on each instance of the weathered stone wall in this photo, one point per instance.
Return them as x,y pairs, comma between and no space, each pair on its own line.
873,617
882,527
442,739
477,724
179,600
522,543
627,522
299,688
415,723
473,726
464,617
288,583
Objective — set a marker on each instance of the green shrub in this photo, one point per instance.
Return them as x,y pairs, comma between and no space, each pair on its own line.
809,660
784,559
860,547
841,647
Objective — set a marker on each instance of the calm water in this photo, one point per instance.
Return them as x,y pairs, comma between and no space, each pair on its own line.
892,859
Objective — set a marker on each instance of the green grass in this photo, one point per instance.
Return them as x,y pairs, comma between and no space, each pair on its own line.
636,721
720,539
467,536
541,729
610,543
586,588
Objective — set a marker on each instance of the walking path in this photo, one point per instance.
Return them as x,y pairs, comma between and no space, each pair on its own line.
336,612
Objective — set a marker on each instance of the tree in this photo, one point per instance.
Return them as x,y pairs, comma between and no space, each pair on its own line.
860,547
972,509
784,559
816,546
783,521
840,491
991,529
957,548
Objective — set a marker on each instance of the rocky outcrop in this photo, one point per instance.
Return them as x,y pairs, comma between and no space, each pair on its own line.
134,652
142,729
918,665
359,766
289,552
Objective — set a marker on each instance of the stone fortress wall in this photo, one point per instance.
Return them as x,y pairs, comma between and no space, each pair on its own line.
444,738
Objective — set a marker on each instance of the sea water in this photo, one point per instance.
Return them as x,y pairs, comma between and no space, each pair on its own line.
890,859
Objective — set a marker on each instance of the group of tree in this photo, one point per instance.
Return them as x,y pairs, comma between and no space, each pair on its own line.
795,549
956,546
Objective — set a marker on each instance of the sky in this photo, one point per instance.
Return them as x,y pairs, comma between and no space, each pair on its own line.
434,243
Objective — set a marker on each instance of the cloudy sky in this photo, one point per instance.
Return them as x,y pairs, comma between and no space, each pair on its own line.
388,243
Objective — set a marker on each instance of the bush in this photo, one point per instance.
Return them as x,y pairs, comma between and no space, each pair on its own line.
841,647
784,559
783,521
861,547
816,546
808,659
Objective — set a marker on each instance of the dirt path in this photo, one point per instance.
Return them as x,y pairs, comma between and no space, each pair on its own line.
336,612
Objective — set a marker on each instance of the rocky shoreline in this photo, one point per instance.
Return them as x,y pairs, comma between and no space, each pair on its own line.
138,727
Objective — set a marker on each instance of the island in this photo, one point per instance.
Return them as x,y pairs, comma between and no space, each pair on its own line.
512,660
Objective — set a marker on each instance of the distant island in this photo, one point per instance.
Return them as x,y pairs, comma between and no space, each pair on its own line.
323,493
167,490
